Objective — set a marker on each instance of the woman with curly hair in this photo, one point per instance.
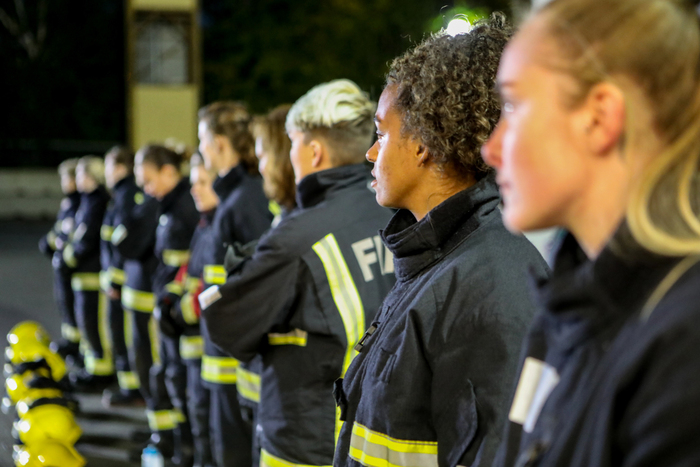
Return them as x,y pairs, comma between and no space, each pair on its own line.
431,382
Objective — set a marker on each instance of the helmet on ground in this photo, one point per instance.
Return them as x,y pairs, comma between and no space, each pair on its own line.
48,422
28,352
31,385
48,454
28,331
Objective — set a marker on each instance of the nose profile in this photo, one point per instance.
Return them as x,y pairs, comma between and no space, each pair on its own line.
491,149
371,155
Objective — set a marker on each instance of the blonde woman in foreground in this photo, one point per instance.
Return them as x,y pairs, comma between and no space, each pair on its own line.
600,134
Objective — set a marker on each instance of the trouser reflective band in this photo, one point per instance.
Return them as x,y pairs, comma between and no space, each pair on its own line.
98,366
214,274
154,335
347,300
116,275
128,380
105,283
101,366
187,308
248,384
268,460
376,449
178,416
137,300
220,370
191,347
85,281
70,333
161,420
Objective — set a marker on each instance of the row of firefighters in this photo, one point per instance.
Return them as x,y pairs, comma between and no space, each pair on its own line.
136,247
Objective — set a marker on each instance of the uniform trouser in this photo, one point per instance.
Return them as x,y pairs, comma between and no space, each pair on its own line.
92,320
198,406
250,416
65,301
143,343
121,333
172,374
231,435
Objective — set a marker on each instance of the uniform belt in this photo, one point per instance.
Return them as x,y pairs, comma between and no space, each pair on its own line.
219,370
375,449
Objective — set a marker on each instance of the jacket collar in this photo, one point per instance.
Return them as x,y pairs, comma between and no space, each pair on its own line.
319,186
583,296
125,182
95,195
207,217
417,245
74,197
168,200
223,186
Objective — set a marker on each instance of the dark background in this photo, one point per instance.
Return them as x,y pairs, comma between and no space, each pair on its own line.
62,62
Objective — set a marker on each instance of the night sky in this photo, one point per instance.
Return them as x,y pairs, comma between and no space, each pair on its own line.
63,90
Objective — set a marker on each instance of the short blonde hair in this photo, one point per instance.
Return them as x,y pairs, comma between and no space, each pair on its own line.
94,166
341,114
655,44
67,167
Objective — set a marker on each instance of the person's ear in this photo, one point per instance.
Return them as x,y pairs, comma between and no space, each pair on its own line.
422,155
604,111
319,155
220,142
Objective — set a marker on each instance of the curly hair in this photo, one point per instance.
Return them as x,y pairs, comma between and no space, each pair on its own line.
231,119
445,93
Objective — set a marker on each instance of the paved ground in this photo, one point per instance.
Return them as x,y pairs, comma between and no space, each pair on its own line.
26,293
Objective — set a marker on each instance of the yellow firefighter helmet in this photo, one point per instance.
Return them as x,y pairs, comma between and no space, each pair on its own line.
48,422
28,331
48,454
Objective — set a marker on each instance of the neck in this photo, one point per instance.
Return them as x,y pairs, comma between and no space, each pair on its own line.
439,187
229,160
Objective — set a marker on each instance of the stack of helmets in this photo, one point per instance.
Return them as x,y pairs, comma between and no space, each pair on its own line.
45,429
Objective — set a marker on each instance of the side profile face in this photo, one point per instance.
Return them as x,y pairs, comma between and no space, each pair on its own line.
537,149
301,155
84,182
396,169
67,184
113,172
208,146
155,182
203,189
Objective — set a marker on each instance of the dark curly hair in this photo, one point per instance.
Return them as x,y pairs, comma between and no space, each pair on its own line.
445,93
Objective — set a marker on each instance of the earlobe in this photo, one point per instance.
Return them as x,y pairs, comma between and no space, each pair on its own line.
606,123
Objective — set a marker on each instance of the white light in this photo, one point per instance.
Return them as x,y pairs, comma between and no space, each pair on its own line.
24,458
13,339
12,384
458,26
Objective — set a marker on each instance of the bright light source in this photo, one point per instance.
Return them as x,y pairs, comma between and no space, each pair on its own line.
458,26
12,384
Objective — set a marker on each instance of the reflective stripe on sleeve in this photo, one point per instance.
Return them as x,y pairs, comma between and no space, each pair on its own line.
174,288
51,239
375,449
106,232
214,274
137,300
268,460
176,258
191,347
187,309
69,256
192,284
219,370
347,300
105,283
70,333
248,384
154,335
128,380
116,275
296,337
161,420
85,282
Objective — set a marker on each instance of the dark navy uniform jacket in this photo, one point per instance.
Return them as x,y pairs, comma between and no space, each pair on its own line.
302,301
431,383
610,374
57,237
83,251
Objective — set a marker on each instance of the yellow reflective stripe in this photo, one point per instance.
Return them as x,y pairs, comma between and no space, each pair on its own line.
347,300
128,380
176,258
375,449
101,366
51,239
295,337
192,284
161,420
129,329
187,308
69,256
137,300
191,347
70,333
215,274
268,460
154,335
174,288
220,370
274,208
248,384
179,416
85,281
106,232
105,284
98,366
117,275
